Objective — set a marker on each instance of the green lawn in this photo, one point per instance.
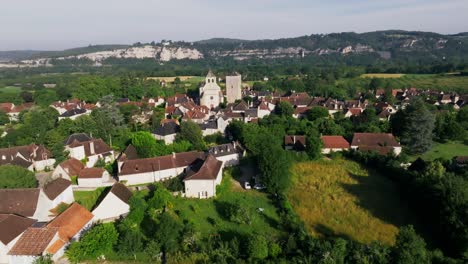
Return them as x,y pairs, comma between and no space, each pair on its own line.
341,198
209,218
10,89
446,151
89,199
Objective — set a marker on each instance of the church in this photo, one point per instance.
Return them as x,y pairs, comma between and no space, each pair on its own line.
210,92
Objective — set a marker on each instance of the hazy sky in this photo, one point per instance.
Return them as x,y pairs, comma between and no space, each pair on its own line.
60,24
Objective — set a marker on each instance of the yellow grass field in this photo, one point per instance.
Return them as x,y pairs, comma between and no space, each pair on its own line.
382,75
341,198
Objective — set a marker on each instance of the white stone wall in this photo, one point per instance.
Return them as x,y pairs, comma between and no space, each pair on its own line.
233,88
43,164
229,160
202,188
65,197
110,208
59,172
328,150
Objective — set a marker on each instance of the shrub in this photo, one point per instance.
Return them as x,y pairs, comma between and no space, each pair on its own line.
14,177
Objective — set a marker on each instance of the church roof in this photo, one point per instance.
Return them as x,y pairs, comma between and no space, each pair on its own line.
210,74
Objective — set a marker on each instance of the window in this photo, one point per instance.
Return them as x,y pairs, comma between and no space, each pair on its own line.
211,97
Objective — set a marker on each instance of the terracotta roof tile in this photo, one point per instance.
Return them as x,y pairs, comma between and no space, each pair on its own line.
69,223
208,170
72,166
121,191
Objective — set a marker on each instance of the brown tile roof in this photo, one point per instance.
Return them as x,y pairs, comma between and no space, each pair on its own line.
33,242
293,139
301,110
56,187
11,226
370,140
129,153
208,170
335,142
19,201
69,224
30,153
355,111
72,166
100,147
121,191
91,173
164,162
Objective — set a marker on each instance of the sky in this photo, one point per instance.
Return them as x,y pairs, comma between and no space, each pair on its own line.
62,24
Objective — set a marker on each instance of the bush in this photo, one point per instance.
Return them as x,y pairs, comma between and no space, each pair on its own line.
13,177
98,241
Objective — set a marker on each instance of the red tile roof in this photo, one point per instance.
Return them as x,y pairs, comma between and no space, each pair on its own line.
335,142
69,224
19,201
56,187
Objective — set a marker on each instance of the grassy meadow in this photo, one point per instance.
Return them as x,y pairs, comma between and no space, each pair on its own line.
341,198
446,150
209,218
89,199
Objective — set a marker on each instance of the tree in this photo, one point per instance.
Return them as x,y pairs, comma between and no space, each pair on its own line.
375,84
108,118
410,248
161,198
191,132
168,232
416,127
317,112
284,109
144,143
13,177
257,247
313,145
99,240
130,241
4,119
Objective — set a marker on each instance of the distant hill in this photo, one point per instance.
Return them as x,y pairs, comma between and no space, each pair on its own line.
349,47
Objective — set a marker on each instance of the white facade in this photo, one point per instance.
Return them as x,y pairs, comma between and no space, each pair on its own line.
59,172
210,93
4,249
329,150
110,208
229,160
152,176
202,188
168,139
94,182
43,164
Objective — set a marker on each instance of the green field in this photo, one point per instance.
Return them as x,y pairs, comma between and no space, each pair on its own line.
341,198
209,218
10,89
89,199
445,151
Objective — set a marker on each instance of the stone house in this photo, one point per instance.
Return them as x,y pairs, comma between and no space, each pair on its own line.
114,205
202,178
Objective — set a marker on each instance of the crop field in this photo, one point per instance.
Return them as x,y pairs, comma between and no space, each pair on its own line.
441,82
341,198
